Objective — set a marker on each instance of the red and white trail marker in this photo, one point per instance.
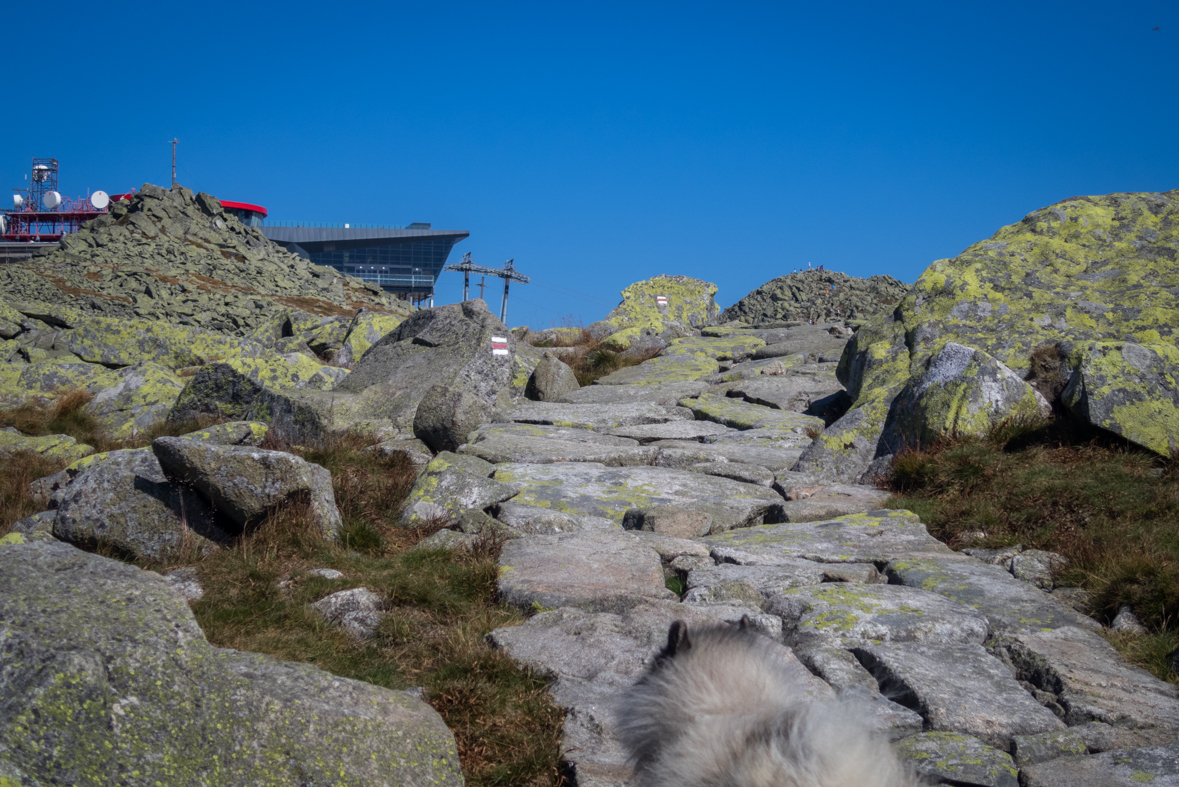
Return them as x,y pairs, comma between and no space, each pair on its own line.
660,300
499,345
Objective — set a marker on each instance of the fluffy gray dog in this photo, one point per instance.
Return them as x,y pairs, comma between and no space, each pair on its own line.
718,708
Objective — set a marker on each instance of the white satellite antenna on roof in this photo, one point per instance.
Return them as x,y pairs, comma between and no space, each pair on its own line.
51,199
17,201
100,199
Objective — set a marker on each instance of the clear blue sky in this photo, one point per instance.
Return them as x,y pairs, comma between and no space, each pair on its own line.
600,144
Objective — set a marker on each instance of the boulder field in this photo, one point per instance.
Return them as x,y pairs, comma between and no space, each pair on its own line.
716,481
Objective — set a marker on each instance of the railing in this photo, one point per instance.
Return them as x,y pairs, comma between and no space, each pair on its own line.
321,225
396,280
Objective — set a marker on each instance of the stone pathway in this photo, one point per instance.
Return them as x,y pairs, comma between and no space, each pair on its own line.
677,473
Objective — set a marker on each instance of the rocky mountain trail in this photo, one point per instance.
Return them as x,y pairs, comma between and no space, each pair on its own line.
727,477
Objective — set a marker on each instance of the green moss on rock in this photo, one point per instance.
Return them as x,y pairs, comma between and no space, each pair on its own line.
689,303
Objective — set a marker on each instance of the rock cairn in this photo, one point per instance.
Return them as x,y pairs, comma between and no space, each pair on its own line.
817,295
173,256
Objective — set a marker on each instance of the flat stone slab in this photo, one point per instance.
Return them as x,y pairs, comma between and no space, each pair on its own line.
959,758
587,488
769,437
840,614
795,392
1010,605
498,443
834,501
663,370
544,521
752,586
599,417
681,453
1090,680
740,414
1157,766
858,538
958,688
675,430
667,394
601,570
737,471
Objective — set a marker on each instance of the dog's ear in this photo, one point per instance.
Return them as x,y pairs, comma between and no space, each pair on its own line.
677,639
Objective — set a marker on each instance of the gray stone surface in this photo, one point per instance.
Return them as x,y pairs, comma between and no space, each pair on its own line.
673,430
1010,605
123,499
667,394
579,488
599,417
600,570
1037,567
859,538
532,444
839,614
551,379
681,454
1157,766
795,392
356,611
544,521
669,520
187,582
752,586
961,759
832,501
450,484
245,483
958,688
1088,679
739,471
1031,749
231,433
105,678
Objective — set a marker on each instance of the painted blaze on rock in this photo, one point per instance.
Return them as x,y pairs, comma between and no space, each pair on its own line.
1088,269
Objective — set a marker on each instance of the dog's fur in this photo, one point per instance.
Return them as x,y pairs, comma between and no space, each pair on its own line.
717,708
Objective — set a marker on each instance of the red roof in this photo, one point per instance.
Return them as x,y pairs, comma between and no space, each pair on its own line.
244,206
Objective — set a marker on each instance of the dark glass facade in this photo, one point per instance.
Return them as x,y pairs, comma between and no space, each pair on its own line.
400,265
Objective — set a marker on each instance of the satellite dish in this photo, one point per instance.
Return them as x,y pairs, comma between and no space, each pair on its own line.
17,201
100,199
3,225
51,199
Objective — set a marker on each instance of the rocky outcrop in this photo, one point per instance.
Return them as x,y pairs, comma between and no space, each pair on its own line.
173,257
817,295
551,379
662,302
117,685
1089,269
442,372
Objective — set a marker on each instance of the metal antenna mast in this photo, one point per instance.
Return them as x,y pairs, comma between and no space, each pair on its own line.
174,141
508,273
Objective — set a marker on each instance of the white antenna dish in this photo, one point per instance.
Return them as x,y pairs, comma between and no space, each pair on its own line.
40,173
51,199
17,201
3,225
100,199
